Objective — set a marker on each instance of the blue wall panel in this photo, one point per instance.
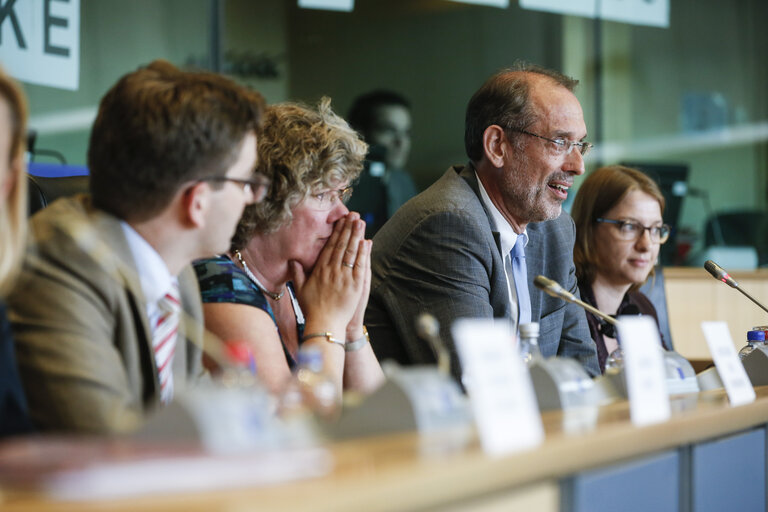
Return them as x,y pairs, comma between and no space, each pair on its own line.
648,484
729,474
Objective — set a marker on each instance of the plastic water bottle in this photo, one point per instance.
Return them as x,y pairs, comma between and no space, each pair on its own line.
529,343
310,388
754,338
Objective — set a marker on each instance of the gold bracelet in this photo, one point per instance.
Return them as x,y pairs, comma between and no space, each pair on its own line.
327,335
353,346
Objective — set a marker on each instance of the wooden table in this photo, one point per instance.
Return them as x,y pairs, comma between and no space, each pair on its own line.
409,472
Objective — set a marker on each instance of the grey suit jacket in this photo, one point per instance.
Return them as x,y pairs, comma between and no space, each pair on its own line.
83,340
440,254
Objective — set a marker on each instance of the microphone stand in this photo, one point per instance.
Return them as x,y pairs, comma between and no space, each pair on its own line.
680,374
720,274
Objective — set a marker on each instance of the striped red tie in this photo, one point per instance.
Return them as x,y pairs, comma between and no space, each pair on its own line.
164,340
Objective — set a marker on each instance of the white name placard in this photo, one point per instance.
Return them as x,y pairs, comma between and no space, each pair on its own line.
493,3
328,5
732,373
585,8
637,12
644,366
499,386
40,41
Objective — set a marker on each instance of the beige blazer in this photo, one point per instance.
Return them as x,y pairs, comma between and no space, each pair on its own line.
83,340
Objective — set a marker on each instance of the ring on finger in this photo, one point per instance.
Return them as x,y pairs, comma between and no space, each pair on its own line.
350,265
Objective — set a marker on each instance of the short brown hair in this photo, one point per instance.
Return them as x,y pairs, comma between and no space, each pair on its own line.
602,190
300,149
13,211
503,100
160,127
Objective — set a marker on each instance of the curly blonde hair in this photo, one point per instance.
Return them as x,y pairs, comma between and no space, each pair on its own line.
301,150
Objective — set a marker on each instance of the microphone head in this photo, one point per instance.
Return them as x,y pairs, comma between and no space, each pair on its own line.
427,326
552,288
719,273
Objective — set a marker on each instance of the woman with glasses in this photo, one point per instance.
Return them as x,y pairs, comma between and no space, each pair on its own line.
619,231
13,228
298,270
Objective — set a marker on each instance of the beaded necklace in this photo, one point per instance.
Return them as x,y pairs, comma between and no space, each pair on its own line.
272,295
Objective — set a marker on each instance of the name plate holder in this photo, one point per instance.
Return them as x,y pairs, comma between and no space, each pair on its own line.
645,370
498,385
730,369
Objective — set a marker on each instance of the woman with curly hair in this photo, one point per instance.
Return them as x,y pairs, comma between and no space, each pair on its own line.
13,223
298,270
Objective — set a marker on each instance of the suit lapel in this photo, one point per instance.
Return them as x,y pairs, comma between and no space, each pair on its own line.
114,247
499,294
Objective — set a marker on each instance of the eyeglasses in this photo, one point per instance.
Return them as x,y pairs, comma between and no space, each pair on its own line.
325,200
256,187
630,230
563,146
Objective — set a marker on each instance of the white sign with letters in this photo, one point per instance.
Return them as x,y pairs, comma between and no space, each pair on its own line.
644,366
637,12
493,3
40,41
586,8
329,5
729,367
499,386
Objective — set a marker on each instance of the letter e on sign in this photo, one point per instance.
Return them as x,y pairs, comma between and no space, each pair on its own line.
40,41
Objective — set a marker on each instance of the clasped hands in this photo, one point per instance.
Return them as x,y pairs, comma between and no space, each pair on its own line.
336,291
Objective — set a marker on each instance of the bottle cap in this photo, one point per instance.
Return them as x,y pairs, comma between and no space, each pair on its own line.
310,357
529,330
755,335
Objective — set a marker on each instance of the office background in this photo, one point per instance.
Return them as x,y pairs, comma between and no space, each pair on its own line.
692,94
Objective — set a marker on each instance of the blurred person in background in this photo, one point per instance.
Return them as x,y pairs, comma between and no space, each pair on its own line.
383,118
298,270
13,227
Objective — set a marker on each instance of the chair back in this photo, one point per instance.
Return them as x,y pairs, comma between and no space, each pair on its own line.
43,191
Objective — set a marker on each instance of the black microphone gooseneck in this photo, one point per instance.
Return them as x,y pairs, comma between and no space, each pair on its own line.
552,288
720,274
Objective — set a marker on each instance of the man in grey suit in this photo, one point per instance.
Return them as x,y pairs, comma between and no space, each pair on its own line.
107,314
449,251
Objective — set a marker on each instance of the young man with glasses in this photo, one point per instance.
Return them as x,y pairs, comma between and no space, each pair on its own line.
471,244
107,311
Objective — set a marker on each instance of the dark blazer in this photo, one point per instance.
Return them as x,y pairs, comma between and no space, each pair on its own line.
641,305
440,254
83,341
14,417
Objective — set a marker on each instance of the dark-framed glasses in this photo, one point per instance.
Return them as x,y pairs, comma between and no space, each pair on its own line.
563,146
325,200
256,187
630,230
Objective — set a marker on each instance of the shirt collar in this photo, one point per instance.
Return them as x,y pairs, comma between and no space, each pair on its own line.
154,276
507,235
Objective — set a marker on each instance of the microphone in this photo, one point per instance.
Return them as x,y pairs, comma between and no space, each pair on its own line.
554,289
720,274
428,329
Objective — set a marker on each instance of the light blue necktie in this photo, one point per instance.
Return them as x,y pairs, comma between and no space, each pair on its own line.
520,273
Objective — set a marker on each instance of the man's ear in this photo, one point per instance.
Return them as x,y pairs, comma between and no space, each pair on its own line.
495,145
196,200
